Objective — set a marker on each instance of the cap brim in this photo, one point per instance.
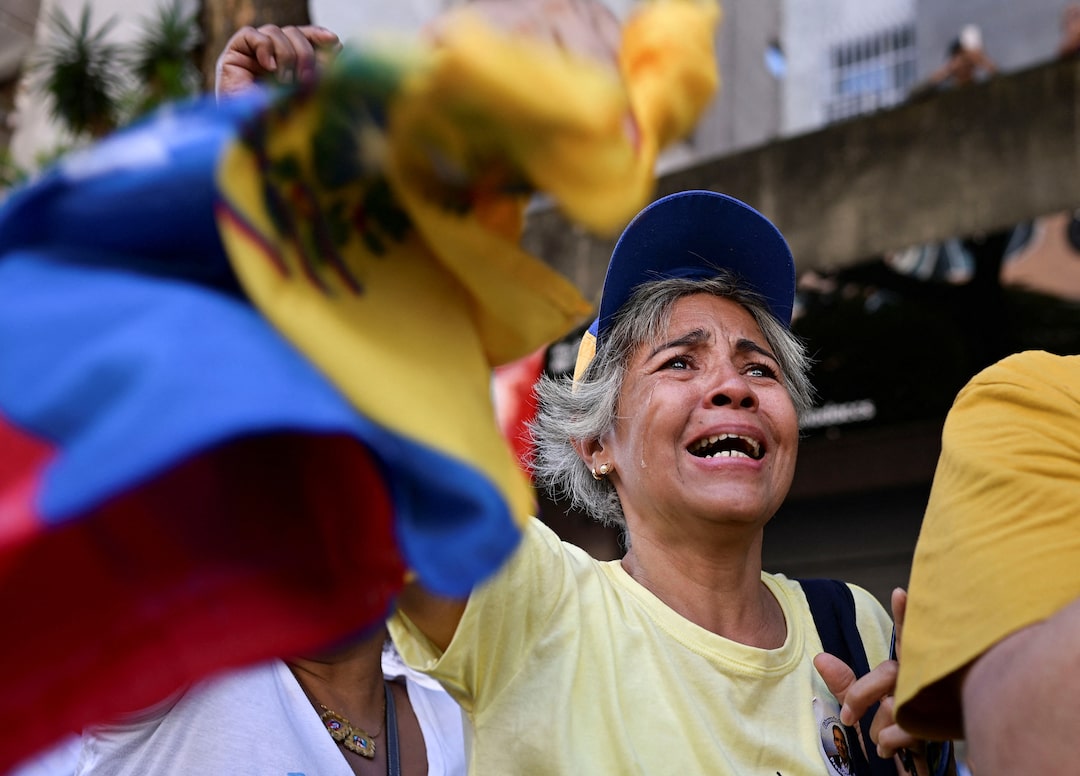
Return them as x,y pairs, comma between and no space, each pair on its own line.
695,234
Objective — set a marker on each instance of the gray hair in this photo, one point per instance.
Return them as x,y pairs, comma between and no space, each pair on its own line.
586,409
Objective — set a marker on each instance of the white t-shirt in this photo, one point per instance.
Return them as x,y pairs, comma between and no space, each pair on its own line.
57,760
258,721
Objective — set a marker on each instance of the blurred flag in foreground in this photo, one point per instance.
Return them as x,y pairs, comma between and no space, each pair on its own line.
246,353
516,403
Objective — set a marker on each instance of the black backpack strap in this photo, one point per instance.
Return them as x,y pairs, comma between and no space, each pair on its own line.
833,608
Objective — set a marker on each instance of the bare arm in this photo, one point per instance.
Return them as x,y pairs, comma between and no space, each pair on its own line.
941,74
983,62
287,54
1022,699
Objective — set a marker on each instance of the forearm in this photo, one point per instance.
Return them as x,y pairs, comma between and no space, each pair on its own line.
1021,699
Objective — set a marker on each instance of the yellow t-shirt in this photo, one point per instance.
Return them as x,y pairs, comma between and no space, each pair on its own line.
565,664
999,548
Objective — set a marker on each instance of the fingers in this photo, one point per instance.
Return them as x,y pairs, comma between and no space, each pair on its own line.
292,52
837,675
288,54
887,735
899,609
890,739
868,690
856,696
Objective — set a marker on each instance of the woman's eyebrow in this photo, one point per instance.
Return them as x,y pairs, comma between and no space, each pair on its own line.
749,346
691,338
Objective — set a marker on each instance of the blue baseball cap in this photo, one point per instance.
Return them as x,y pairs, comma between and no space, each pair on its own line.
694,234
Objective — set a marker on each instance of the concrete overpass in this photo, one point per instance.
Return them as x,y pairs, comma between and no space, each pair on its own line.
950,164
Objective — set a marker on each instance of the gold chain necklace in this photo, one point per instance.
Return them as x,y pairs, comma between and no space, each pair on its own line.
353,738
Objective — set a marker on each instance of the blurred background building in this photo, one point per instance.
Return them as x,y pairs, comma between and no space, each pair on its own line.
788,66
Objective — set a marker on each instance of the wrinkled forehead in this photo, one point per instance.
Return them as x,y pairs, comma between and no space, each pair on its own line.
698,318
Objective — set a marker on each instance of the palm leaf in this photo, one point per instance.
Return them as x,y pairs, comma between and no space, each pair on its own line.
82,73
161,59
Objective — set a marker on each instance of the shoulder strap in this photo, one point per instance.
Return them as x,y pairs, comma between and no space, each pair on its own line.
833,608
393,753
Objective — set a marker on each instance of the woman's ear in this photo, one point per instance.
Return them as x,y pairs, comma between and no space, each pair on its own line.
591,451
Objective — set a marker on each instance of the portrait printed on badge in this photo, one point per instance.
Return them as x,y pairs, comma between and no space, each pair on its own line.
834,742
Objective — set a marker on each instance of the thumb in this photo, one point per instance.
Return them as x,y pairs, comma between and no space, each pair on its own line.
838,678
899,610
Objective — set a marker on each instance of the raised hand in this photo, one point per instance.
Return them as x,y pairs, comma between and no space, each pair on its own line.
284,54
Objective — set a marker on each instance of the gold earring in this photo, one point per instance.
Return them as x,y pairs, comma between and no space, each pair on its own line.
605,469
595,476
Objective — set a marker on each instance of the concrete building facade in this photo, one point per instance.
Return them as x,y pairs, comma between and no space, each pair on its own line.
788,66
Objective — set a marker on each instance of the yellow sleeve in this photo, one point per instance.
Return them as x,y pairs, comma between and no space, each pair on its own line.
1000,540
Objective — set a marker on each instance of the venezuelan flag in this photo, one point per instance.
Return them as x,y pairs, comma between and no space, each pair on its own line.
246,353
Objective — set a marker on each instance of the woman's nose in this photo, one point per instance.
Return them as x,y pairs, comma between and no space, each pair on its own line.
733,389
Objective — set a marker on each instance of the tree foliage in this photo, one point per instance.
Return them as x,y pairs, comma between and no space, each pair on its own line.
162,60
94,85
80,73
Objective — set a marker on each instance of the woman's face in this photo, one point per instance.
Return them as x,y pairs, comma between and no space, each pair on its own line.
705,424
